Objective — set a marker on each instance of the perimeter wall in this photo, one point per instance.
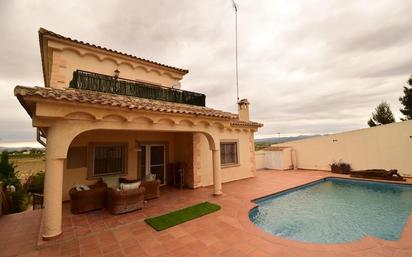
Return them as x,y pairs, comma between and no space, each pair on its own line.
382,147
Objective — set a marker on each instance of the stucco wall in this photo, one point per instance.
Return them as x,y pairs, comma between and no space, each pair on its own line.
279,160
180,147
91,63
183,152
382,147
244,169
260,160
65,57
72,177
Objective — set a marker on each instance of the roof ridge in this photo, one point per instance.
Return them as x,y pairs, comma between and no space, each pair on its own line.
43,31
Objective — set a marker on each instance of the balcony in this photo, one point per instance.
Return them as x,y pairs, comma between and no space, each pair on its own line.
107,84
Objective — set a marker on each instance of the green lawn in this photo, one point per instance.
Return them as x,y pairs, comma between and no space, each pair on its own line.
174,218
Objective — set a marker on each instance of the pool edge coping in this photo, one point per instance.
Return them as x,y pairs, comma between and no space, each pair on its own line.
254,200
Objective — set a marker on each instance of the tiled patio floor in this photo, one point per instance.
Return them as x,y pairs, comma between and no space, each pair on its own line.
225,233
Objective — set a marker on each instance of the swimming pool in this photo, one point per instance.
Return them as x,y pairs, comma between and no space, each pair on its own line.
335,210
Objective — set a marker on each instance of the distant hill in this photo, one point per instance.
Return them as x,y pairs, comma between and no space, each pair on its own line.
275,140
18,149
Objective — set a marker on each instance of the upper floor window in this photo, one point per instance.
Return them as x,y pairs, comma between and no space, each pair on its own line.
229,153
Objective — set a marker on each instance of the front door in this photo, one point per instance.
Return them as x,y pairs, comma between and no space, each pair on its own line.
153,158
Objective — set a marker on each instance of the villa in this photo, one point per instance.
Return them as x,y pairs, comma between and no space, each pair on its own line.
122,137
107,114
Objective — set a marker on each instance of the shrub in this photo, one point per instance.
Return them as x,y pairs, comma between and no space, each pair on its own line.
20,200
340,167
35,183
7,172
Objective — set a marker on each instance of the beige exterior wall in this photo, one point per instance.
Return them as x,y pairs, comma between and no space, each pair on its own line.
190,148
183,152
75,176
382,147
65,58
245,169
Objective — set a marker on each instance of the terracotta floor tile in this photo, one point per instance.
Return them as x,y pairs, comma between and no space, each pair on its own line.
109,247
133,250
116,253
218,247
244,247
260,253
70,252
403,253
227,232
128,242
233,253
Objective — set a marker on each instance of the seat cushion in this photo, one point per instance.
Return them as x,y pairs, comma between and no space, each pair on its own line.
112,181
129,186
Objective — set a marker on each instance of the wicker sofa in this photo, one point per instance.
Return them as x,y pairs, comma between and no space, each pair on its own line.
116,201
119,201
88,200
152,188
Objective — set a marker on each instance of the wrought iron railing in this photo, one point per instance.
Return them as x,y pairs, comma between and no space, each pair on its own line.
107,84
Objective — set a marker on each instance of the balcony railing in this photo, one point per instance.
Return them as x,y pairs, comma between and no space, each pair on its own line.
107,84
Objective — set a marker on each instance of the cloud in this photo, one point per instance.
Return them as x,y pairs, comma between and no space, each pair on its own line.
305,66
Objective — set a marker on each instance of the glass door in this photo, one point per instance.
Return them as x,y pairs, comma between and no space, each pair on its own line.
153,160
157,162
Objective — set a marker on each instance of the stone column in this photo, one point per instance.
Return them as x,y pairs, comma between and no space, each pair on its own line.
53,187
217,178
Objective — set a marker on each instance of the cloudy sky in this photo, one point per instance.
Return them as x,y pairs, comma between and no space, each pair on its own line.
307,67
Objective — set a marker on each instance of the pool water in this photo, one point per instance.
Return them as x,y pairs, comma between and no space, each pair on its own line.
335,211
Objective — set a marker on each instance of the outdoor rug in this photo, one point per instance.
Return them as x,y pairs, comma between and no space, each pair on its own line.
174,218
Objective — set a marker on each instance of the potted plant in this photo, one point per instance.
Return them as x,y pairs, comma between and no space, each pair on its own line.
340,167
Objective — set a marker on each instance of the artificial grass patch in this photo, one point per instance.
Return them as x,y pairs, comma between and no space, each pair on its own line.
174,218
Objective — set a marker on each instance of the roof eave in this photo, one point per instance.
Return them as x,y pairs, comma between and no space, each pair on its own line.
22,92
42,56
44,33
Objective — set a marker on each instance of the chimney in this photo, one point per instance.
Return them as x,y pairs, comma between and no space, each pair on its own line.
243,110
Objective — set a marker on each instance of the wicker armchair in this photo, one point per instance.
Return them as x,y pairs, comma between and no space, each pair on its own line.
88,200
119,201
152,189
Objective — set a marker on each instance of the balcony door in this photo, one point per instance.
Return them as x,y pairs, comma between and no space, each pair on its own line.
153,160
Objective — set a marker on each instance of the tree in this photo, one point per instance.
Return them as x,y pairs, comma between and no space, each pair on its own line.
19,198
406,101
382,115
7,172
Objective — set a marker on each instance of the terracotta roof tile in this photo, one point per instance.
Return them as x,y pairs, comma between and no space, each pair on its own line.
92,97
246,123
43,32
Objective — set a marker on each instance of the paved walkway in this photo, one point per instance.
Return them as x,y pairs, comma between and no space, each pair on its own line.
19,232
225,233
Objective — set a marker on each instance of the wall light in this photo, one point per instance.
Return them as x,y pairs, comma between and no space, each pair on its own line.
116,74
